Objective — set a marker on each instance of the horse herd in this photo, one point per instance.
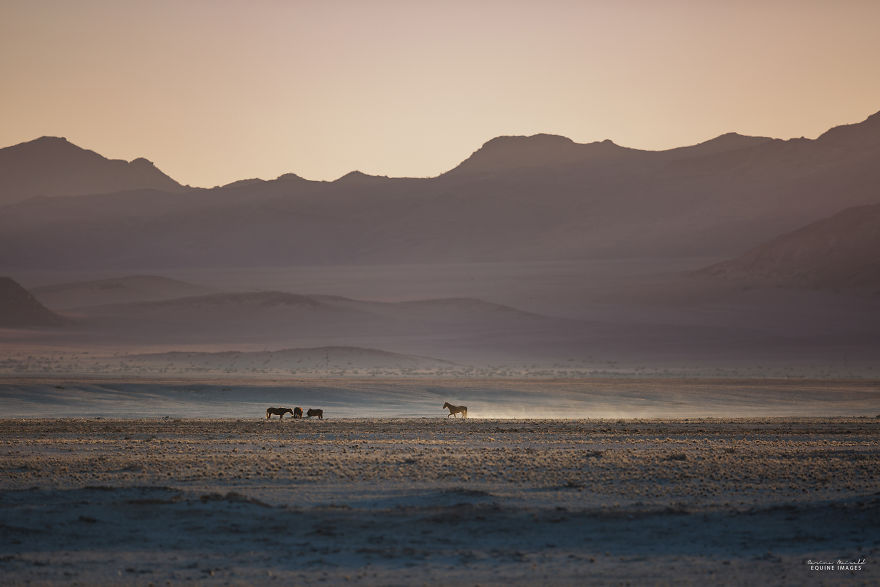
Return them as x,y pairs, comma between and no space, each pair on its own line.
297,412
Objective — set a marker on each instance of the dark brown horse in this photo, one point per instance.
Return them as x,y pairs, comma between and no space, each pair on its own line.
278,412
314,412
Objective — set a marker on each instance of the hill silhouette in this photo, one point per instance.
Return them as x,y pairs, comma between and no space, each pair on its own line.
535,198
510,153
839,252
20,309
52,166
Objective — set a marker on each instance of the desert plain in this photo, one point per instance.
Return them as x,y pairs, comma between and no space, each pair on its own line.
669,358
392,492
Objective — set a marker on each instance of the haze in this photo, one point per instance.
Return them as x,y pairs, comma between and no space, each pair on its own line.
632,245
214,92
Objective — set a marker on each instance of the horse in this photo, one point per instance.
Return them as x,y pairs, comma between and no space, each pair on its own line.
278,412
453,410
297,412
314,412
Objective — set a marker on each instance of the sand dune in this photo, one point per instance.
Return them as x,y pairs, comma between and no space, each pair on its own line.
319,359
220,317
631,327
274,317
20,309
117,290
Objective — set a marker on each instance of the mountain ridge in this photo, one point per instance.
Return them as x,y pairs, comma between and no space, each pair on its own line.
53,166
509,152
504,145
538,198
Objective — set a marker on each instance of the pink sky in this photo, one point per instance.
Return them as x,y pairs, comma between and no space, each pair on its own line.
214,91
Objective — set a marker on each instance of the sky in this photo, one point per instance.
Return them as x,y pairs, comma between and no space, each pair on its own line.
214,91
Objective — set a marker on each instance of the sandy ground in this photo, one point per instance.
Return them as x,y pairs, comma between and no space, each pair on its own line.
438,501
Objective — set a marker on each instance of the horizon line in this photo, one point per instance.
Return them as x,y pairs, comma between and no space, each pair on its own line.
357,171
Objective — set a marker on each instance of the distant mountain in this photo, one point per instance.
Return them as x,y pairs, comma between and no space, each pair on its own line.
854,137
131,288
725,143
52,166
19,309
511,153
329,358
534,198
840,252
360,178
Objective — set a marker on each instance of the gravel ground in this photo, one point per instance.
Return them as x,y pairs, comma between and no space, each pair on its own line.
438,501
